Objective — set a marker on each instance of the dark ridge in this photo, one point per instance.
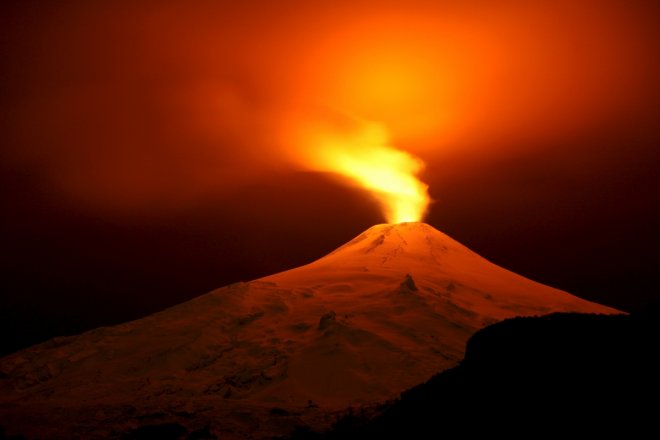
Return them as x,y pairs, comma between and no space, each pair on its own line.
561,374
165,431
408,283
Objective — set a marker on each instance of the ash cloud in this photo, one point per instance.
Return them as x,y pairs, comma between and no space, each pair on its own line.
131,107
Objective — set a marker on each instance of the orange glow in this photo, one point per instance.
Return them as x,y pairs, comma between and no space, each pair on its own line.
398,70
161,106
365,156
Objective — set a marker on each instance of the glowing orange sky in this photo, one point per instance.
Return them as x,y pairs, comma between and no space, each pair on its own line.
149,105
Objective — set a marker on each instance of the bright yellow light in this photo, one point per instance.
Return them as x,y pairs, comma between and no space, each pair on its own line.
366,158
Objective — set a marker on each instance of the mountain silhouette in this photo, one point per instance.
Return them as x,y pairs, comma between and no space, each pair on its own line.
556,375
377,316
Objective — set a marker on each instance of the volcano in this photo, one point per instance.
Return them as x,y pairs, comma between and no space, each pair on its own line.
355,328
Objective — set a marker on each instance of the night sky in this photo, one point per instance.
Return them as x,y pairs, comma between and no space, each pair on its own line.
146,152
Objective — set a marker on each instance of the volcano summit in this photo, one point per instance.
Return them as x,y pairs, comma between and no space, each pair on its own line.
380,314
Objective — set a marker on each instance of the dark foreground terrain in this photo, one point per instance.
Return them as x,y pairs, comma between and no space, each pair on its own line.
560,375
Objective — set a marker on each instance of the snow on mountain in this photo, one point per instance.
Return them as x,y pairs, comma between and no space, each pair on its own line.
376,316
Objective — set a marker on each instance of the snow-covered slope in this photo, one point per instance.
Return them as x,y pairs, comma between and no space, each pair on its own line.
378,315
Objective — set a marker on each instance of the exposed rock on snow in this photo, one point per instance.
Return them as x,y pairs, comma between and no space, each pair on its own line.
352,328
